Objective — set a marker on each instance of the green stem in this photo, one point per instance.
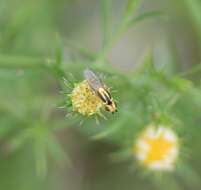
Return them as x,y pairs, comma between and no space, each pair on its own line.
191,71
105,9
102,56
121,29
22,62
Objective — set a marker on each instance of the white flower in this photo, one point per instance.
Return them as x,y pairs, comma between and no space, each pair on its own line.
157,148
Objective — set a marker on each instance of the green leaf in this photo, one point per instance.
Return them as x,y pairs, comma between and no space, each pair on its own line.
131,7
195,69
17,61
40,159
147,65
105,9
56,151
81,50
145,16
110,130
19,140
59,51
194,7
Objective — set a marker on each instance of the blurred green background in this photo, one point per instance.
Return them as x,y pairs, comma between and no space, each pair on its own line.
42,149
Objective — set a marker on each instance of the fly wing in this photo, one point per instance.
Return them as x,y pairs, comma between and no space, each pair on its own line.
92,79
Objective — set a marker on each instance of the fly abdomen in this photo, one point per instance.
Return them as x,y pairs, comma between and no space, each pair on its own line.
104,95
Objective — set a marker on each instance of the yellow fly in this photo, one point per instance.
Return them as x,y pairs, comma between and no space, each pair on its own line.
100,90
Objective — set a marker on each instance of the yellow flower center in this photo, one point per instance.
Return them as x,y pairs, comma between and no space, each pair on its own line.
157,148
84,100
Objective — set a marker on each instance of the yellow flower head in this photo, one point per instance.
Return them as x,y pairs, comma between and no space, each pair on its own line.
84,100
157,148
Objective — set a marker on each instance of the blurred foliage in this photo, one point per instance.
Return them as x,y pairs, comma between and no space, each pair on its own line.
35,56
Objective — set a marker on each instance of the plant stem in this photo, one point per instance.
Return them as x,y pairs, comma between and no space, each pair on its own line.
15,62
101,57
121,29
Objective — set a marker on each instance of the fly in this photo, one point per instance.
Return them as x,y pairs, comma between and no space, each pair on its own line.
100,90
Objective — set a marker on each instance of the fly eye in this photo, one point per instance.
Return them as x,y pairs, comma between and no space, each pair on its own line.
109,102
